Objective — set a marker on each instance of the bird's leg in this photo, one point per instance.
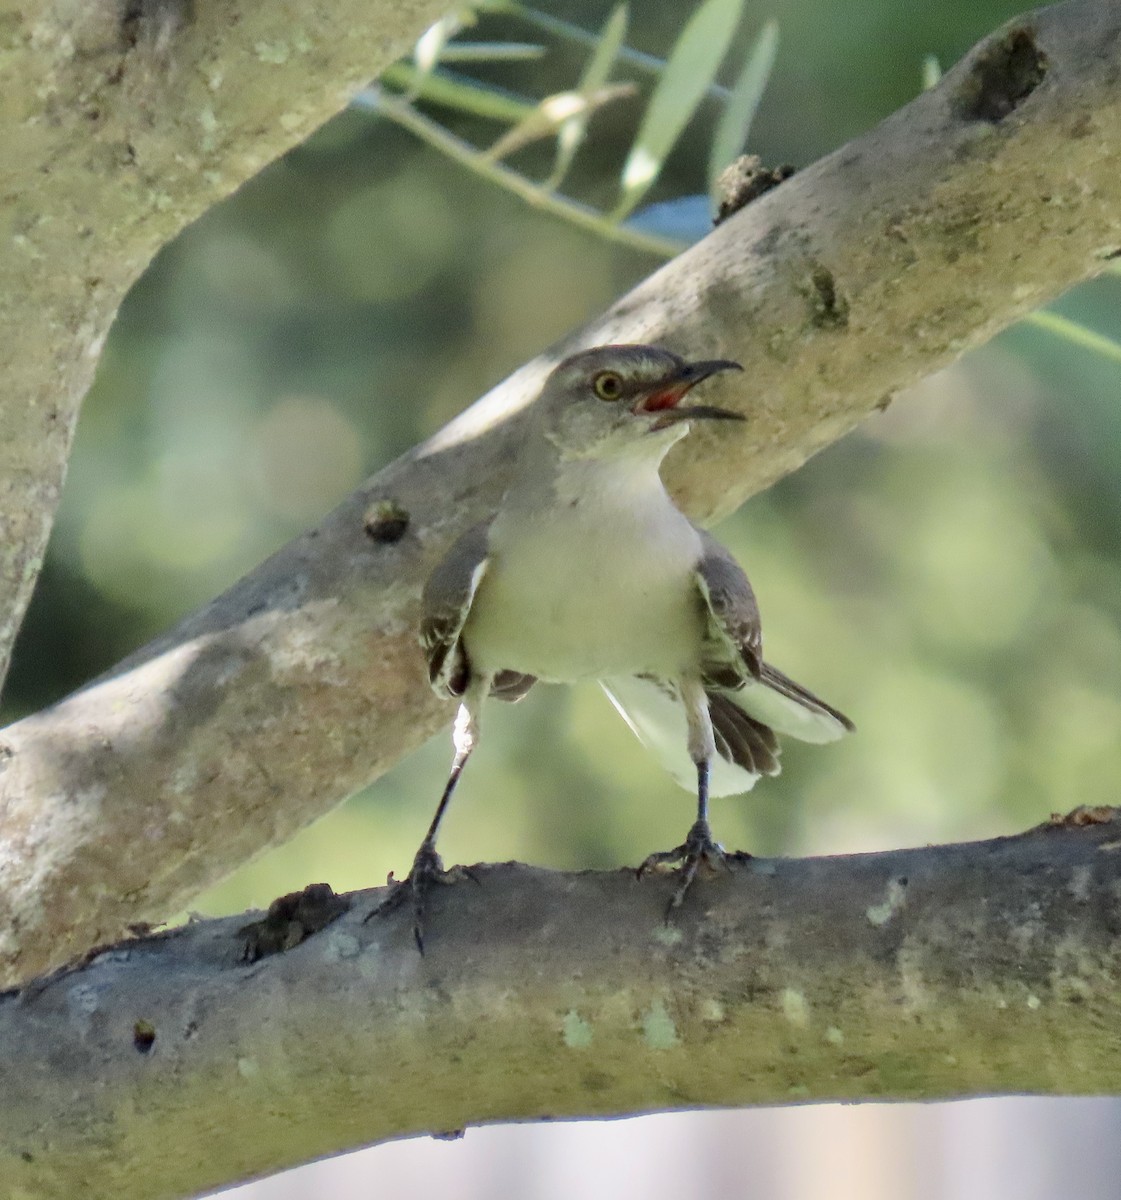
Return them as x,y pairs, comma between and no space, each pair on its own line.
428,867
699,846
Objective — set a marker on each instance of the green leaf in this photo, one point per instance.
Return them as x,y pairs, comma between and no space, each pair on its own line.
430,45
572,131
551,114
931,72
1079,335
569,32
461,52
690,70
739,112
606,51
457,92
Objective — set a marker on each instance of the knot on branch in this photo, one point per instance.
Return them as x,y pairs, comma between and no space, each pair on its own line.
745,180
828,307
1003,75
291,919
153,23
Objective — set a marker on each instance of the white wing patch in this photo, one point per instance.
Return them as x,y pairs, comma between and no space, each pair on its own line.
657,718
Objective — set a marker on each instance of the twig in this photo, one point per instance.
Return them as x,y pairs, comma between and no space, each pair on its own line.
583,216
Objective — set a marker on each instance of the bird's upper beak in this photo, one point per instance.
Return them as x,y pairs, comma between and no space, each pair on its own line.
664,397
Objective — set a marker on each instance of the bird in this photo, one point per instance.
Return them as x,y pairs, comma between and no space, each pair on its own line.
588,570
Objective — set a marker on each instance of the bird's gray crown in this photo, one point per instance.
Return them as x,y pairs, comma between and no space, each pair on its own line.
640,366
618,399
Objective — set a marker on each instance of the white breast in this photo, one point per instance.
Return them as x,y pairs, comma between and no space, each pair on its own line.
594,580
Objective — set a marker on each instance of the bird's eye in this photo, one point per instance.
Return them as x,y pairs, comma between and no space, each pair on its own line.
607,385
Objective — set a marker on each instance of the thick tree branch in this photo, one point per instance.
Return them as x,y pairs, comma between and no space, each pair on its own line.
920,974
119,124
878,265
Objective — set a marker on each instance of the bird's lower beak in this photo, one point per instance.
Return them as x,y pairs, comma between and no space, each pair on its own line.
665,397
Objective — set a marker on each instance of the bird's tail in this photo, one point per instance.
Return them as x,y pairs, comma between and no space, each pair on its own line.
789,708
744,723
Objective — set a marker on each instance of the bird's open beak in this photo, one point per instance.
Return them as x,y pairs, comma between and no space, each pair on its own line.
665,396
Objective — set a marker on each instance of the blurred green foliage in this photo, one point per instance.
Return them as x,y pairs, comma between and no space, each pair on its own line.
950,575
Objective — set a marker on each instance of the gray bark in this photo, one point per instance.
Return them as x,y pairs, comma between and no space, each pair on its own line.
120,124
167,1066
875,267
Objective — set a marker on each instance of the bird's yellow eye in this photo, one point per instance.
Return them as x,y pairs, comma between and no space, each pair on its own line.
607,385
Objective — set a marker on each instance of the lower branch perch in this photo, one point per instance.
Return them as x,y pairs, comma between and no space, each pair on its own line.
173,1064
983,198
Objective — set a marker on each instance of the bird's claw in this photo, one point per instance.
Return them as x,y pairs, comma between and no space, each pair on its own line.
699,847
427,869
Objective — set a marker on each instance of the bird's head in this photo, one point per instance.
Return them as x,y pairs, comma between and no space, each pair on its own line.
612,399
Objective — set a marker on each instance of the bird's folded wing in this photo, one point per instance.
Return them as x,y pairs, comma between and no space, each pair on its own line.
733,639
733,663
445,603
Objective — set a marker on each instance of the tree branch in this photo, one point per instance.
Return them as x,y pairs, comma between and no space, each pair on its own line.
119,125
921,974
878,265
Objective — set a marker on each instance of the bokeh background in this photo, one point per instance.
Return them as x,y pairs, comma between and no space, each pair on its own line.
950,574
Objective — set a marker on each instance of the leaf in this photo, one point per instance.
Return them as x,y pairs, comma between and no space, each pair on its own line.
572,131
606,51
430,45
739,112
690,70
931,72
491,52
551,115
1079,335
458,92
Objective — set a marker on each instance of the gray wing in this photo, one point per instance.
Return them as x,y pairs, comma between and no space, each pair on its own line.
733,640
445,605
733,662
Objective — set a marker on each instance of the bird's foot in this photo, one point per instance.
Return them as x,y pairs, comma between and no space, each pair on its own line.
698,847
427,869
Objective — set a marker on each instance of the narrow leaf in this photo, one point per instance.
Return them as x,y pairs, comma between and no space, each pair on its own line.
739,112
1079,335
431,43
551,115
931,72
461,52
570,32
690,70
571,133
606,51
457,92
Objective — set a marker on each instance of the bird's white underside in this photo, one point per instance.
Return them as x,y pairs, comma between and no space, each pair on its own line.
597,579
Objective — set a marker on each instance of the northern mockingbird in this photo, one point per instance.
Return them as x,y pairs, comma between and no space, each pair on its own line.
589,571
